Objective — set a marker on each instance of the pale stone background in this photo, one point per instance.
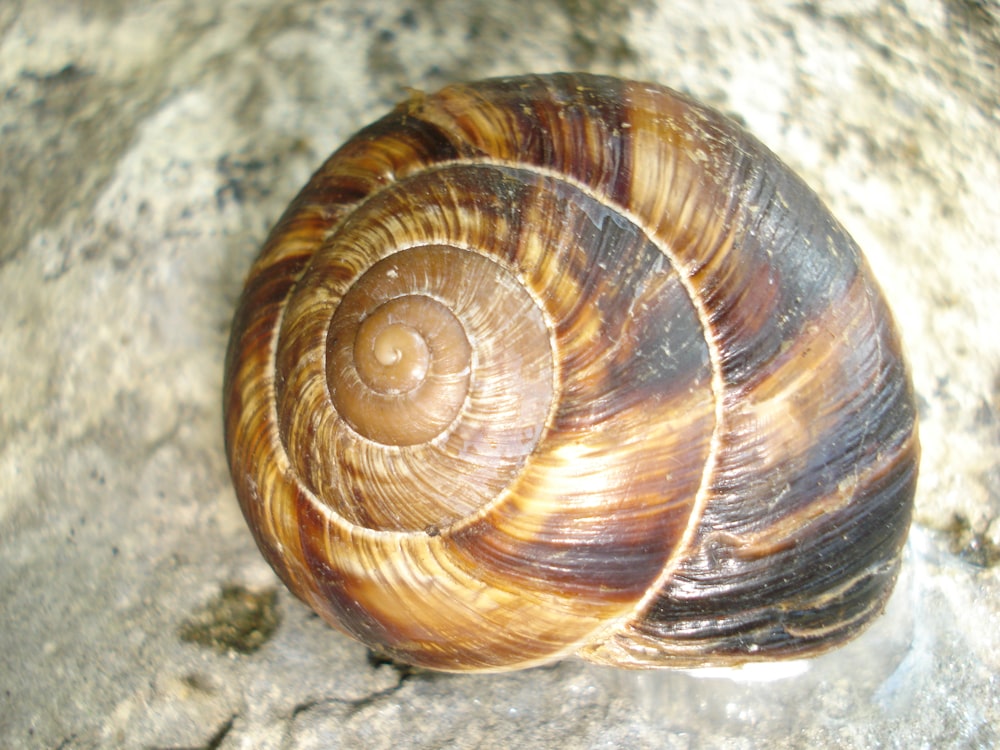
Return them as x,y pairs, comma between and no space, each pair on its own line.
145,150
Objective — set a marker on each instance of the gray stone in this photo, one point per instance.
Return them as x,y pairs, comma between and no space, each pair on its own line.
147,148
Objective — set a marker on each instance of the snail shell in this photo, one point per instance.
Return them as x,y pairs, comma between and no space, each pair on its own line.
568,364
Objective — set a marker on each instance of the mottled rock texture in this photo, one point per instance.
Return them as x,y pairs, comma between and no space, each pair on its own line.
146,148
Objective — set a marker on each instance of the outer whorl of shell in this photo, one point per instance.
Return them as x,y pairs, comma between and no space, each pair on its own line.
559,364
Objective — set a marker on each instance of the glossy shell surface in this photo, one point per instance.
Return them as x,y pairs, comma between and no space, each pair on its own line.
569,364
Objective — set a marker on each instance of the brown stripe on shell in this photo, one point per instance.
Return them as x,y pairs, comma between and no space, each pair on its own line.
410,595
576,126
825,597
804,526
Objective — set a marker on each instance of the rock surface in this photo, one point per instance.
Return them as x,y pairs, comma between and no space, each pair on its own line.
147,149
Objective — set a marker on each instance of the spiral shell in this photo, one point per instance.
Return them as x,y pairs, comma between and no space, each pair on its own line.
567,364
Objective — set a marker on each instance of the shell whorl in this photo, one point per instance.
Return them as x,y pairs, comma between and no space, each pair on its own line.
562,364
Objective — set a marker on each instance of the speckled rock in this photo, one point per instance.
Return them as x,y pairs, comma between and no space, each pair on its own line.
146,150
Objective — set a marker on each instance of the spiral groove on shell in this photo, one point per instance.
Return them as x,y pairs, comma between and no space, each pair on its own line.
561,364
